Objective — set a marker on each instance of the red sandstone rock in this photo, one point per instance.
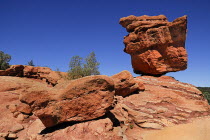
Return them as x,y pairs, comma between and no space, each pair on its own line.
7,121
24,108
46,73
83,99
3,73
15,70
101,129
156,46
42,73
165,102
125,83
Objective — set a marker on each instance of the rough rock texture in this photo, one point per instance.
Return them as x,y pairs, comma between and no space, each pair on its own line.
83,99
165,102
42,73
125,83
14,116
93,130
90,109
156,46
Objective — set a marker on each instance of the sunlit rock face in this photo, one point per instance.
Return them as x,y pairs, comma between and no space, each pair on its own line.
156,45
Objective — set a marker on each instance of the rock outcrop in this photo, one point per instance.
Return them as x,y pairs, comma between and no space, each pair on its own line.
156,46
98,107
165,102
42,73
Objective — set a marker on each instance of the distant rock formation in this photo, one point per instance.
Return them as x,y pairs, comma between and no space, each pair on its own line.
41,73
156,46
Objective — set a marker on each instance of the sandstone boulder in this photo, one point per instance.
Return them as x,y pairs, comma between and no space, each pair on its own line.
156,46
83,99
125,83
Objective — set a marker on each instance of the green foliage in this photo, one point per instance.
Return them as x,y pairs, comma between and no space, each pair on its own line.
4,60
131,126
31,63
91,66
206,92
76,70
79,69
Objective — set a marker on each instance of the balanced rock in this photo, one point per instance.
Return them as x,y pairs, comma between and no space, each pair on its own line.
156,46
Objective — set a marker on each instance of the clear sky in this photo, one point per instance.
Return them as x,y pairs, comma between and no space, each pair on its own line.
50,32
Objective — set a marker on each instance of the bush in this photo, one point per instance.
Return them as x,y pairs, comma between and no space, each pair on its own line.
4,60
206,92
31,63
79,69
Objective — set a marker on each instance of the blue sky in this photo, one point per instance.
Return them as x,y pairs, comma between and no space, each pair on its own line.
50,32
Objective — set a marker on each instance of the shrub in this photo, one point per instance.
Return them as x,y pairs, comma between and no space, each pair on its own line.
4,60
206,92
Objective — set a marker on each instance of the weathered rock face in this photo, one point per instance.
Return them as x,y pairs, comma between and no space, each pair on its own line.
165,102
156,46
83,99
101,129
125,83
15,116
92,110
42,73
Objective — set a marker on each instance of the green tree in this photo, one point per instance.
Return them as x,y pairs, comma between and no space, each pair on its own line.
91,66
75,65
79,69
31,63
4,60
206,92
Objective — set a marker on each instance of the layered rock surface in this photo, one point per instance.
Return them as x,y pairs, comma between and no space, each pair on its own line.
156,46
94,108
165,102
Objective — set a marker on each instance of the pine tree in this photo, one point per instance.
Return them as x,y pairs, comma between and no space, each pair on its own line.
91,66
4,60
31,63
75,65
78,69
